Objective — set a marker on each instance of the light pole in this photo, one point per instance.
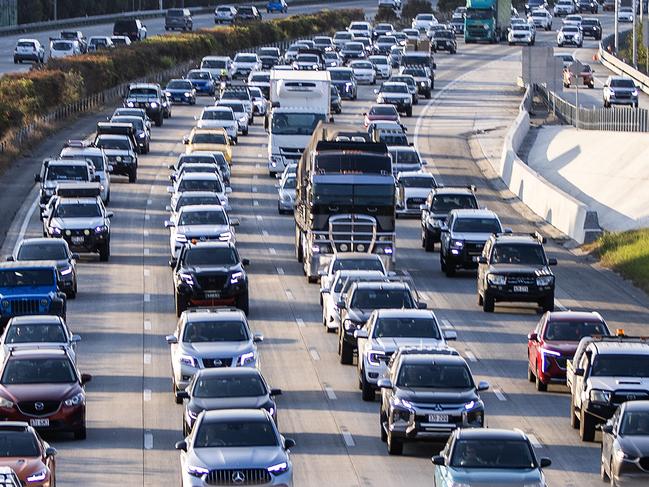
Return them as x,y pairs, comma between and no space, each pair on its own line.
56,14
635,43
617,4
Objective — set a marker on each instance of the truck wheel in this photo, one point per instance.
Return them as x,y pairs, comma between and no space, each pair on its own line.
540,386
488,304
574,420
346,353
395,446
104,252
243,303
368,393
586,426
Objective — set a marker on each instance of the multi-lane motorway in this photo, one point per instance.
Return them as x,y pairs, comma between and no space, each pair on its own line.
125,308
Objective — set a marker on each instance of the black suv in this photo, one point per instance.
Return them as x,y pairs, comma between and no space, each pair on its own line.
209,274
247,13
363,298
134,29
150,97
588,6
515,268
426,395
592,27
434,212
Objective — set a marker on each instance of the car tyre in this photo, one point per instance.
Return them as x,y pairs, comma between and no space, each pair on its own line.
81,433
367,391
586,426
383,419
395,446
104,252
530,374
488,304
243,303
132,177
428,243
181,305
346,352
540,386
177,400
574,420
245,131
409,112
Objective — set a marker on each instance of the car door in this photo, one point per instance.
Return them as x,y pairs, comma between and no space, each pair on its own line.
580,381
609,438
482,268
446,233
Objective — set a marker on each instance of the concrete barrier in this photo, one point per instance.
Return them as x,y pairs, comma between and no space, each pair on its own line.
558,208
618,66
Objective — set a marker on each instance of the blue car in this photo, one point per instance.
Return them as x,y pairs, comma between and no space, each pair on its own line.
277,6
203,81
181,91
30,288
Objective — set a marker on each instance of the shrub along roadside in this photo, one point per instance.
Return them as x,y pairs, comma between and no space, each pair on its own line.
62,81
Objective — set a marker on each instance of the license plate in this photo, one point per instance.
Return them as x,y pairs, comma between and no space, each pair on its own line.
520,289
475,258
212,294
438,418
77,240
39,423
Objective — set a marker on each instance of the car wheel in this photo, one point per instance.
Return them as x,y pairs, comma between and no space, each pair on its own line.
450,269
395,446
71,294
548,303
346,353
586,426
132,177
368,393
429,245
81,433
299,254
442,261
243,303
181,305
530,374
185,429
383,419
540,386
159,120
104,252
488,304
174,390
409,112
574,420
245,131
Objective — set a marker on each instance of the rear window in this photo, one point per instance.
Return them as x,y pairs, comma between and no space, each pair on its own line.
125,26
61,46
175,12
26,44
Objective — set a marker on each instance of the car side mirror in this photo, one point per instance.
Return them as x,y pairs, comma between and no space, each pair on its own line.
182,394
110,214
168,208
50,451
258,338
533,337
376,92
85,378
384,383
361,333
181,445
110,168
10,258
171,166
37,178
245,262
275,392
483,385
169,224
580,372
443,227
507,230
422,305
450,335
171,339
234,222
185,140
228,190
607,428
172,262
97,179
289,443
552,261
545,462
438,460
75,338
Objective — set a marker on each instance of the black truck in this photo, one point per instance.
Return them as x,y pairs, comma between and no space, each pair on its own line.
345,198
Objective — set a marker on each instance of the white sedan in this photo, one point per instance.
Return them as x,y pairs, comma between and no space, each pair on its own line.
364,72
625,14
219,117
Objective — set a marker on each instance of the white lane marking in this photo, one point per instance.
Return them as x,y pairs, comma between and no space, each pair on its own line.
147,251
260,218
146,394
348,438
147,217
147,272
259,155
254,190
147,298
314,354
330,393
148,441
272,251
289,295
255,176
469,354
299,321
264,233
534,441
499,394
256,166
147,358
149,202
25,224
280,271
146,233
147,324
255,203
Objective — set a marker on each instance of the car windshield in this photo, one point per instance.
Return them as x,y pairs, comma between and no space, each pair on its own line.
197,200
409,81
406,328
67,173
417,182
488,453
379,60
295,123
416,72
260,78
61,46
98,41
211,256
405,157
38,371
217,115
362,65
179,85
236,95
394,88
199,75
368,299
477,225
627,365
26,277
203,218
444,203
526,27
354,46
195,159
211,168
143,92
518,254
36,333
215,331
138,123
268,51
573,331
212,185
236,107
246,58
357,265
626,9
622,83
342,75
383,110
214,64
393,137
54,250
571,28
238,434
342,36
18,444
539,14
121,143
322,41
589,22
444,34
635,423
478,14
208,138
435,376
222,387
307,58
326,194
78,210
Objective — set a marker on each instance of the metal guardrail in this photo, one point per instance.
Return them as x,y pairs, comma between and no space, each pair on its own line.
620,67
112,95
618,119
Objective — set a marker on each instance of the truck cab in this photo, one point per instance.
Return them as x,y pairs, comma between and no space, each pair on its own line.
486,20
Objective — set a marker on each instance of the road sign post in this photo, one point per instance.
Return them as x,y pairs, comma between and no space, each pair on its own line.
645,42
575,69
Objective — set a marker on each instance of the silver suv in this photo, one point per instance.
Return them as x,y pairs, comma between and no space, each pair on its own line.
235,447
210,337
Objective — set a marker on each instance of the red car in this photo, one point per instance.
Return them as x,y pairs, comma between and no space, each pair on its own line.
44,388
381,113
554,341
23,450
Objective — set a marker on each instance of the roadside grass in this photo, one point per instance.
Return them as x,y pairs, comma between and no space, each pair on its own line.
626,253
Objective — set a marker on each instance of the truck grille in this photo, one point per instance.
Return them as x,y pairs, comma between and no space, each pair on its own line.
292,153
244,476
210,363
521,280
212,282
349,233
39,408
623,396
414,203
474,248
24,307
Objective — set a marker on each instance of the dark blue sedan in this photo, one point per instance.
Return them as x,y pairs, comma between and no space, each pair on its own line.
202,81
181,91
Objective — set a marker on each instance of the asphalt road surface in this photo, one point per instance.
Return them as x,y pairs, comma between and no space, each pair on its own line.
125,308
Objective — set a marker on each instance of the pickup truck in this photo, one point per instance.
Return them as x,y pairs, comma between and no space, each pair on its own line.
605,372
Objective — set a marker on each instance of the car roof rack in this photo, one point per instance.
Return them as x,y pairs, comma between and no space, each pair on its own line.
535,235
212,309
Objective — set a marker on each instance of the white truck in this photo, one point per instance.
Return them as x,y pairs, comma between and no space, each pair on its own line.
299,100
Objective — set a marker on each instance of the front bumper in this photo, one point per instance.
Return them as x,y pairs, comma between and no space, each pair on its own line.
420,428
365,78
520,40
282,480
205,89
181,98
602,411
572,41
27,57
80,242
286,205
633,101
63,419
400,104
346,90
122,168
444,46
461,258
506,293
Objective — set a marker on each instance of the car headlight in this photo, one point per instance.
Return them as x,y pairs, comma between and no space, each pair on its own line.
374,357
236,277
141,135
600,396
154,104
75,400
247,359
192,414
197,471
225,236
422,84
403,403
38,476
101,228
544,280
54,230
189,361
66,271
279,468
634,93
6,403
187,94
243,119
130,104
496,279
457,243
351,325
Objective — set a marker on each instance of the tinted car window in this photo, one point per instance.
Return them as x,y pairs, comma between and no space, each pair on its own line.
211,256
215,331
18,444
357,265
67,173
492,454
406,327
38,371
35,333
571,331
236,434
635,423
26,277
209,139
620,365
518,254
202,218
79,210
437,376
249,386
368,299
443,203
477,225
42,251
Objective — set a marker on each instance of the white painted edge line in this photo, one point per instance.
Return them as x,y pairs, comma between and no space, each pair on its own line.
149,202
148,441
280,271
264,233
289,294
147,217
25,224
147,358
147,298
255,203
299,321
147,272
147,324
348,438
499,394
314,354
146,395
534,441
260,218
272,251
254,190
257,166
147,251
146,233
330,393
469,354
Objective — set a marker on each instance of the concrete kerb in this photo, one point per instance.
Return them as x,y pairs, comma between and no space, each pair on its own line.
558,208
